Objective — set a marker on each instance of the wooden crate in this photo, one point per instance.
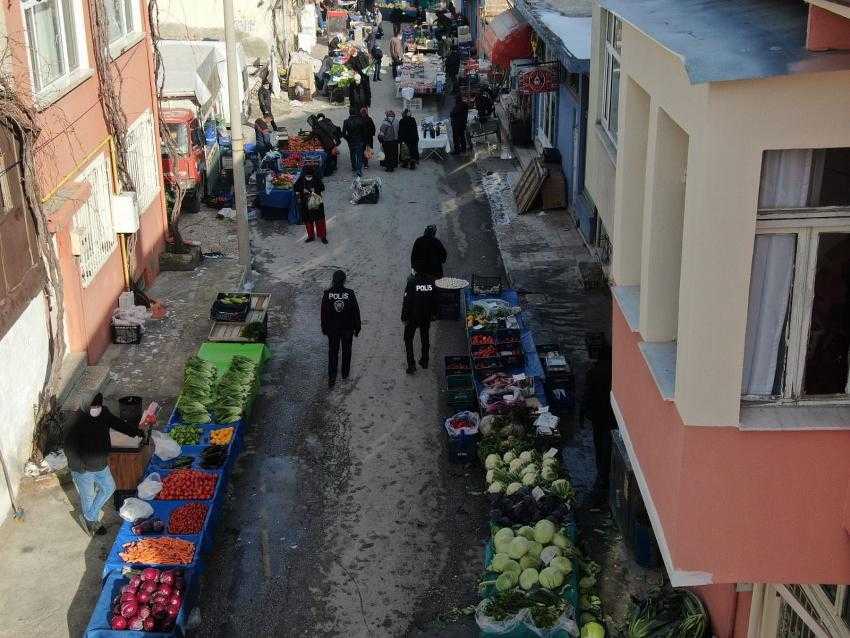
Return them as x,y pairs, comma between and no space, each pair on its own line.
232,331
528,186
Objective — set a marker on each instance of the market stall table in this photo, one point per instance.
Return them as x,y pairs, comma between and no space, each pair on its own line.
435,147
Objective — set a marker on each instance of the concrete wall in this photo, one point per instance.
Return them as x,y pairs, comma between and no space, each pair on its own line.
20,383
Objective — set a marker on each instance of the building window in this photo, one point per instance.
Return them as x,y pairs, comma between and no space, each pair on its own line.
144,160
613,31
55,46
92,224
805,611
121,17
798,321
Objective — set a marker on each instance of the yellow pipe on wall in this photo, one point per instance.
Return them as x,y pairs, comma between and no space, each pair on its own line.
97,149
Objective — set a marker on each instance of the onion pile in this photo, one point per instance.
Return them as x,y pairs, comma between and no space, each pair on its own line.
150,601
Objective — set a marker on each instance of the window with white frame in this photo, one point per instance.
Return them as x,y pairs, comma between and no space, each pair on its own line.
143,159
805,611
92,224
797,344
55,40
612,29
122,19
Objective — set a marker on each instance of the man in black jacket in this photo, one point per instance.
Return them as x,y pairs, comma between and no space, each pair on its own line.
417,311
596,406
264,98
354,132
87,444
340,323
428,254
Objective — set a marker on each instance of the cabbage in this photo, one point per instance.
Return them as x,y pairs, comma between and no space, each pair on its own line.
515,466
551,578
528,578
550,462
498,563
529,561
518,547
512,566
530,479
490,476
526,456
549,553
513,488
508,457
534,549
593,630
544,531
506,581
526,531
492,461
562,489
531,467
502,539
586,583
559,540
496,487
562,563
549,473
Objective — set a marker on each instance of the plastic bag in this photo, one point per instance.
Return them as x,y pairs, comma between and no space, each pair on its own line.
565,627
150,487
472,420
507,628
135,508
164,446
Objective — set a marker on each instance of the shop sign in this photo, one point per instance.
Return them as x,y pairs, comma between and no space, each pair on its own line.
543,78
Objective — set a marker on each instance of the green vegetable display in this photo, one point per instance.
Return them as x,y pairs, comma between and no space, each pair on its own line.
196,395
234,390
186,434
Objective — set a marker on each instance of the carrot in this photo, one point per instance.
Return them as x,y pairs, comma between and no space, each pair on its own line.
161,550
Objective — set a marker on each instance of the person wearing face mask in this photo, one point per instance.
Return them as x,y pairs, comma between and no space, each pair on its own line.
388,137
87,444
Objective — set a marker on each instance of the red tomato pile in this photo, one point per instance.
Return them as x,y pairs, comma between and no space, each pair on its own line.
300,144
188,484
187,519
292,161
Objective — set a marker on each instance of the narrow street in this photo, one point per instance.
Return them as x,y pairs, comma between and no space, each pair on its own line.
344,516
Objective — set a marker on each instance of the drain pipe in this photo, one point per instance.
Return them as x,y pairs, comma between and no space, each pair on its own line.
17,512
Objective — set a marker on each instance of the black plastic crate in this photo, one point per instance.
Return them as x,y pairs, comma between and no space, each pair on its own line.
460,399
447,312
221,311
485,366
486,285
459,381
457,363
462,448
126,334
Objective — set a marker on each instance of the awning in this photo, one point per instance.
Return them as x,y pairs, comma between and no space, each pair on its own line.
506,38
567,36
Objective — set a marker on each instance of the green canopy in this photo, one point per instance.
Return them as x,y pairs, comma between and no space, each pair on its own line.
221,354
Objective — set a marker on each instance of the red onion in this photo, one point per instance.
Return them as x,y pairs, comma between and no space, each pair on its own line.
149,573
149,624
143,597
137,624
149,586
119,623
160,611
129,610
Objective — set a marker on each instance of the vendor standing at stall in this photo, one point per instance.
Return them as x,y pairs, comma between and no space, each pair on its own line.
340,324
311,205
408,134
396,49
388,137
458,117
87,444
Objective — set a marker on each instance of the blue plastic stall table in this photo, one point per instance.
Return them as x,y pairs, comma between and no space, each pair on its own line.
99,626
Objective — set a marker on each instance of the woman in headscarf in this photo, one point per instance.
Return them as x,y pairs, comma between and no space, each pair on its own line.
369,134
388,137
408,134
312,212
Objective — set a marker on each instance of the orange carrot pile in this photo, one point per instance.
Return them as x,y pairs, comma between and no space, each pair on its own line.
161,550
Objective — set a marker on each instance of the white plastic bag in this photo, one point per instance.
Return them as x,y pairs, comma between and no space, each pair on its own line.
164,446
492,627
471,417
150,487
135,508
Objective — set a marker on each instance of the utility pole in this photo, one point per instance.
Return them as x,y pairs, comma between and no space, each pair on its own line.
238,142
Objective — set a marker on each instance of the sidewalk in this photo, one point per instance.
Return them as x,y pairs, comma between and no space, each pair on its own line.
545,259
53,569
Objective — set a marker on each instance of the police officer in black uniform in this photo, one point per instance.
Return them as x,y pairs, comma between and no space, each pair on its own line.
417,311
340,323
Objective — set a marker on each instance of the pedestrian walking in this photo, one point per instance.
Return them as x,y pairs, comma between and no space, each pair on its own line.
458,117
354,132
408,134
377,55
596,406
264,97
340,324
396,49
379,21
428,254
359,93
86,445
388,137
417,311
368,136
308,188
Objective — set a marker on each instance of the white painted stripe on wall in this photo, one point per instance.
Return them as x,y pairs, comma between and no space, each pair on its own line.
678,578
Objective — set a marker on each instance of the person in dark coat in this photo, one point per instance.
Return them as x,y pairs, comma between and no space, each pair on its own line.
354,132
428,254
417,311
452,66
596,406
458,117
408,134
340,323
484,105
369,134
388,137
314,218
87,445
377,55
264,97
359,93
